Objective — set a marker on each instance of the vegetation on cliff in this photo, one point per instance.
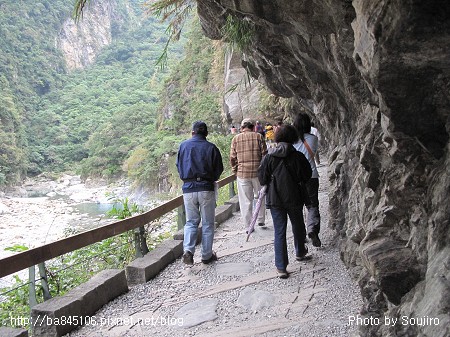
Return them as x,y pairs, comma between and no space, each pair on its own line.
121,115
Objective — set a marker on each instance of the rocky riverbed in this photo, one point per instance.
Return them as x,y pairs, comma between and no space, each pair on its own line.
43,210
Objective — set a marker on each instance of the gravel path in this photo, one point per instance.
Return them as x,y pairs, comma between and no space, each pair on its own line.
240,294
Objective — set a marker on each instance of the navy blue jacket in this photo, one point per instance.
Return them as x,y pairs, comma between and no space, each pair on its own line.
199,164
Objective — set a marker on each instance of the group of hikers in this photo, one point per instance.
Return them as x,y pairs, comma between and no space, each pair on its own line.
268,131
287,168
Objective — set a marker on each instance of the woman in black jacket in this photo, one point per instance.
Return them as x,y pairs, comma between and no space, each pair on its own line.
283,170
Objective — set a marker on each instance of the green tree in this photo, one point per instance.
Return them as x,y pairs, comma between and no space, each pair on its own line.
12,153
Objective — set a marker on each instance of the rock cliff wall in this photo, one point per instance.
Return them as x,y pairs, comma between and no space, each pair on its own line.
242,92
376,75
81,41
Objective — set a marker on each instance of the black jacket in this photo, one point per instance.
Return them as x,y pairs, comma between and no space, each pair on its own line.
282,169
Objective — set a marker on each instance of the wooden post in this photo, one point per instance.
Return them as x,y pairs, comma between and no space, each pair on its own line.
140,242
137,245
181,220
44,281
232,192
32,286
143,241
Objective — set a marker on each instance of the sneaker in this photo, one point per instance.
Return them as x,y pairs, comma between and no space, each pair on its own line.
303,258
282,273
188,258
315,239
261,224
211,259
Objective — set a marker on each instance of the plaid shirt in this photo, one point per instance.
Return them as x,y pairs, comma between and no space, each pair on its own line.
247,150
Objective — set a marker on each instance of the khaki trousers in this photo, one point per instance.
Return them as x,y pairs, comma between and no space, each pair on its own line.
248,190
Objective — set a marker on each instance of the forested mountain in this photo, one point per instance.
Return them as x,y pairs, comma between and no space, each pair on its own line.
30,65
192,91
120,113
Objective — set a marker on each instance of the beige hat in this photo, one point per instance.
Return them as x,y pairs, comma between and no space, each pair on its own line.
247,122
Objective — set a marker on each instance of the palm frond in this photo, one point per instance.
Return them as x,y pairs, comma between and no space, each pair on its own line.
239,32
78,9
175,12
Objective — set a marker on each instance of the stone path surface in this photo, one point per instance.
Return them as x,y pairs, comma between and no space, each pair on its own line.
240,294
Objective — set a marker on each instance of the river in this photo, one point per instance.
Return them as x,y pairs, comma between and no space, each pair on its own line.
44,210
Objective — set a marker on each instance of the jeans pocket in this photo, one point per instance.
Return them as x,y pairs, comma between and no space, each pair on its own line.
207,195
188,196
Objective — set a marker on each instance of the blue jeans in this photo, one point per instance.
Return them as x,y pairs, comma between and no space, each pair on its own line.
279,216
199,206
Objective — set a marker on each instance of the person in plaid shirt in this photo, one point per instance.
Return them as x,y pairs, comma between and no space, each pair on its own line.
247,150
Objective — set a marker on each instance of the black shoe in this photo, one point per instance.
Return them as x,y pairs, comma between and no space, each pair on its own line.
261,224
282,273
188,258
303,258
211,259
315,239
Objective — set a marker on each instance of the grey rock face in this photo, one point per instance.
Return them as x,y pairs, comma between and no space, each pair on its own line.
239,103
375,77
80,42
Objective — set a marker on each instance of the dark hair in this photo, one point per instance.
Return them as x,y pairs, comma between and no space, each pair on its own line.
200,128
286,133
248,125
302,123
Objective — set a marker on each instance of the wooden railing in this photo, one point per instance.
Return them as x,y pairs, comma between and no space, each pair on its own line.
34,256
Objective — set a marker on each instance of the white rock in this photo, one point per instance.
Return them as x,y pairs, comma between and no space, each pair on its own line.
4,209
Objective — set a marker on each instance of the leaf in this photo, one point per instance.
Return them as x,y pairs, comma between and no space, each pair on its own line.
17,248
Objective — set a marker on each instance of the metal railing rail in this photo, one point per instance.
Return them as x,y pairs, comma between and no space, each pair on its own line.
34,256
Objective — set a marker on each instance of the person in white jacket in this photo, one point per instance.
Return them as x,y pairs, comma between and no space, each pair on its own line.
308,144
316,133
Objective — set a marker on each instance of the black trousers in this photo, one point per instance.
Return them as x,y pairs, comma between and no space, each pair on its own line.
313,217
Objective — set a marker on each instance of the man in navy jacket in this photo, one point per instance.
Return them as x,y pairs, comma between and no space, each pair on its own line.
199,165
